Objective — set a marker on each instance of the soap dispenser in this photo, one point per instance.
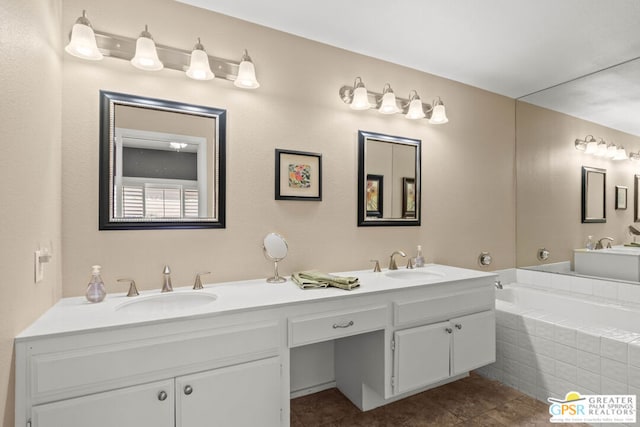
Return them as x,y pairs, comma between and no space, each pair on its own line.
95,288
590,244
419,258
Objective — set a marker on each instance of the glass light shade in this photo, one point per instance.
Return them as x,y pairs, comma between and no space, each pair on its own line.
602,150
146,57
360,99
415,110
246,76
621,154
199,68
592,147
612,150
83,43
439,115
388,104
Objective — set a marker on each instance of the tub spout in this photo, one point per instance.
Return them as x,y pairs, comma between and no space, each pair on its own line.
498,284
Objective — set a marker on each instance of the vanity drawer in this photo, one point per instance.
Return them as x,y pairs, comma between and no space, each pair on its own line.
328,326
63,374
444,307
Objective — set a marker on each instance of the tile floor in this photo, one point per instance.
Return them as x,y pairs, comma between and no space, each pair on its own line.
472,401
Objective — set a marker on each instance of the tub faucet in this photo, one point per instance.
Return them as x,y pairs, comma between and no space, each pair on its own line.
166,285
498,284
600,245
392,262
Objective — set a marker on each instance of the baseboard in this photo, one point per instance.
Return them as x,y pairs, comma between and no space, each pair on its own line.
310,390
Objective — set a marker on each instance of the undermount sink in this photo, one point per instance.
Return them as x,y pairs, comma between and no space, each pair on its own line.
166,303
417,274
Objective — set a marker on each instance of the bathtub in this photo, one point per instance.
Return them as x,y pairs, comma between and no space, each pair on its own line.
550,342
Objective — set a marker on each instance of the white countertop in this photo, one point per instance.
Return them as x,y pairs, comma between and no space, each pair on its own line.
76,314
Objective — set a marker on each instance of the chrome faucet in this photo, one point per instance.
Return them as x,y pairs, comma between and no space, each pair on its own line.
600,245
166,285
392,262
498,284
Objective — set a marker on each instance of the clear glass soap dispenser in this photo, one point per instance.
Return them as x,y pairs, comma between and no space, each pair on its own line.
590,244
419,258
95,288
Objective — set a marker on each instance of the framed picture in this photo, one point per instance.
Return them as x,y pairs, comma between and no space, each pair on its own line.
621,197
298,175
374,195
408,197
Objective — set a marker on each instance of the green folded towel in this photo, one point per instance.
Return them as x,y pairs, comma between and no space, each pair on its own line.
317,279
633,244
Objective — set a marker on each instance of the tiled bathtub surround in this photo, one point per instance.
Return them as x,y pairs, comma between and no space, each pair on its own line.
546,353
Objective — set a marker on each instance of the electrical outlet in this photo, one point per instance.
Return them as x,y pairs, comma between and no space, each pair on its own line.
38,268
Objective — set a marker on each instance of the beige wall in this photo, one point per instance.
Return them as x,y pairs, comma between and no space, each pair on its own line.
549,180
30,83
468,164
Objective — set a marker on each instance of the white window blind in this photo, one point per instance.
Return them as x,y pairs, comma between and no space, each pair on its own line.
153,201
191,203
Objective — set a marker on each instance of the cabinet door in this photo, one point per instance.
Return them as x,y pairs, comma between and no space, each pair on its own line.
474,341
421,356
249,394
139,406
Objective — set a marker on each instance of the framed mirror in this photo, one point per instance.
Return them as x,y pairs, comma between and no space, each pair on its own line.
621,197
594,182
162,164
636,198
388,180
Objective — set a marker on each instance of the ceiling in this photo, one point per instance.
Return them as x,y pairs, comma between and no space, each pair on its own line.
511,47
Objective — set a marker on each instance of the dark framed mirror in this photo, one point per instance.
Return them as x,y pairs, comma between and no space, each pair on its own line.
394,161
594,187
162,164
636,198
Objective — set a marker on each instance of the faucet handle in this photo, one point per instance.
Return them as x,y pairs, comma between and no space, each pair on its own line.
198,283
133,291
410,263
376,268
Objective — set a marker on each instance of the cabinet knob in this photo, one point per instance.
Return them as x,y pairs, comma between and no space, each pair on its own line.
162,396
458,326
449,330
188,390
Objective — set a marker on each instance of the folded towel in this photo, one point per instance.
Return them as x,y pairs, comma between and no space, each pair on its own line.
633,244
317,279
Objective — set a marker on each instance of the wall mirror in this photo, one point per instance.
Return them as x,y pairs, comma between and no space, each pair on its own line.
594,195
388,180
162,164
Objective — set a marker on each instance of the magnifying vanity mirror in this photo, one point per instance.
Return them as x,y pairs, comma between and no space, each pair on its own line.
275,248
162,164
388,180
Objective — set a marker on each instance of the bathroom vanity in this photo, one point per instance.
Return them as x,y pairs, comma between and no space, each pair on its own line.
224,358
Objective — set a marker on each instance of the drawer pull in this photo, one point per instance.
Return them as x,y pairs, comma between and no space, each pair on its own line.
162,396
458,326
342,325
188,390
449,330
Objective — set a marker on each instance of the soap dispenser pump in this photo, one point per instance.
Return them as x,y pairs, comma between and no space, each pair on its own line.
419,258
95,288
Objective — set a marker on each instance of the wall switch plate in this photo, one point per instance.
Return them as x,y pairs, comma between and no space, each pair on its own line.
38,267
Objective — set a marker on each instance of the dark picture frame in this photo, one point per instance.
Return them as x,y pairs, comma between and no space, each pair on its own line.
375,195
621,197
298,175
594,195
408,197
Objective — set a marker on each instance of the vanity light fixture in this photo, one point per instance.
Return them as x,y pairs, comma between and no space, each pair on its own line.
601,149
621,154
359,98
415,110
146,57
388,103
612,150
634,156
145,54
199,68
82,43
246,73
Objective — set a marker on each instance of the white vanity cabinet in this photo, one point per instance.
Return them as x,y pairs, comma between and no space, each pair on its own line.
432,352
178,374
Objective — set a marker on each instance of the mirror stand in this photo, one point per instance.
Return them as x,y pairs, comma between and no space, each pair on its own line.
276,276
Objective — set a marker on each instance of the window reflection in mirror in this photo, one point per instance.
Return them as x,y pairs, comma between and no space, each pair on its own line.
162,164
388,180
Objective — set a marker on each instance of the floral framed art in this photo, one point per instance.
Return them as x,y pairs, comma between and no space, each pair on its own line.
298,175
374,195
408,197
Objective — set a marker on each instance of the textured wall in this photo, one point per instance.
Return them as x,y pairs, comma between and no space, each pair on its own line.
30,83
549,180
468,165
